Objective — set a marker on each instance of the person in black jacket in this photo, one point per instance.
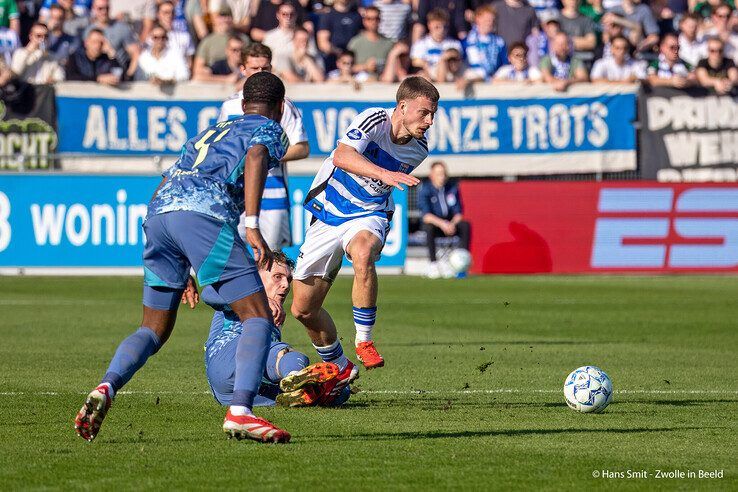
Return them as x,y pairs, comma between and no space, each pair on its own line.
439,201
95,61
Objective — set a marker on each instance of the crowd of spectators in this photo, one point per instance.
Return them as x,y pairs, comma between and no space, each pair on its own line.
677,43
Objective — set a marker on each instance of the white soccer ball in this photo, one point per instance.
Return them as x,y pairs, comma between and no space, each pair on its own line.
460,260
588,389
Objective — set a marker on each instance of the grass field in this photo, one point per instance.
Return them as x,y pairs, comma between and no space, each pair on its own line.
470,397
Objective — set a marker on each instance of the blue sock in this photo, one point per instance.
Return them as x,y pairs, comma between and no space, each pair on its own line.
130,356
291,362
333,353
364,319
251,357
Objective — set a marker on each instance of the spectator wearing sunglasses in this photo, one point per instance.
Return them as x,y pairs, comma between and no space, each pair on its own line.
717,71
160,64
668,69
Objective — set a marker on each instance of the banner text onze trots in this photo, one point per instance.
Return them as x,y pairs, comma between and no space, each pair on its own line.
512,135
95,221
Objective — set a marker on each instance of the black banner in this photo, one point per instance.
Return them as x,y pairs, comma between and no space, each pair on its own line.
688,135
28,136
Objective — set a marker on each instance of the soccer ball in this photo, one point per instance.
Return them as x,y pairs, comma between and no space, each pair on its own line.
588,389
459,260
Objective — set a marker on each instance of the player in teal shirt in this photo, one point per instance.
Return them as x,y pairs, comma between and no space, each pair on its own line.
191,223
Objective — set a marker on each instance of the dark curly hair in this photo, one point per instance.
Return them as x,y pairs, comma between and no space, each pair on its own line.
263,87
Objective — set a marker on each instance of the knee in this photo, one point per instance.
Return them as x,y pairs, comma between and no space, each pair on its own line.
303,314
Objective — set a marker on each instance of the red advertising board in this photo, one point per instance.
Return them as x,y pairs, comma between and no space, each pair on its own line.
605,227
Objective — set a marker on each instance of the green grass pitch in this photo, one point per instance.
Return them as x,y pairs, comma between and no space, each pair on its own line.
471,396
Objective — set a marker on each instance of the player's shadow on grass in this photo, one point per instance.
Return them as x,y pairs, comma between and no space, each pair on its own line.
488,343
680,403
392,436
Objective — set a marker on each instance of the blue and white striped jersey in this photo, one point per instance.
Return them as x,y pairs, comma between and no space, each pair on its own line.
275,188
337,196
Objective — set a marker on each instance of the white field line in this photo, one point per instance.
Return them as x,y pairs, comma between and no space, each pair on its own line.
410,392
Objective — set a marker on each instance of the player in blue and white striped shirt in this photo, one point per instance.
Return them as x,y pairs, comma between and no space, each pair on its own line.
274,219
351,202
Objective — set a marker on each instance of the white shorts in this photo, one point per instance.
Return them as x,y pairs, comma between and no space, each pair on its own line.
322,252
274,226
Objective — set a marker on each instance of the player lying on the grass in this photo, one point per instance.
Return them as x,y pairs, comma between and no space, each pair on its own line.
288,380
351,202
191,223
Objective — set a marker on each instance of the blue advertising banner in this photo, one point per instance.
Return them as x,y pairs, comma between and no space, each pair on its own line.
95,221
499,127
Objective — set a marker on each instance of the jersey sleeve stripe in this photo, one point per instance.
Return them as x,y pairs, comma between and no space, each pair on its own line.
368,120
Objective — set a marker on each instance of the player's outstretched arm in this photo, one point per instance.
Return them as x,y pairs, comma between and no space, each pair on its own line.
254,175
349,159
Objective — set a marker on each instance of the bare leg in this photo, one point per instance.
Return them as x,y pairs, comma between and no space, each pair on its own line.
363,249
307,301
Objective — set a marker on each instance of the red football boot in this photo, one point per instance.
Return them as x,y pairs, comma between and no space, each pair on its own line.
368,355
251,427
89,418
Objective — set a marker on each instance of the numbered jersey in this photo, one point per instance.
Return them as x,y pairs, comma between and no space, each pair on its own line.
275,188
208,176
337,196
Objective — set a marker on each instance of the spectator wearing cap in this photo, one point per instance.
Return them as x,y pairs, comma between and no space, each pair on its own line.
691,47
32,63
580,28
426,52
59,44
458,26
539,41
485,51
518,69
560,68
160,64
303,67
225,70
619,67
717,71
118,34
451,68
515,20
639,24
95,62
668,69
213,47
370,48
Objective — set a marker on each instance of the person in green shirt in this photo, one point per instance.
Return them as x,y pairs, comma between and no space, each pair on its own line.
369,47
9,16
560,69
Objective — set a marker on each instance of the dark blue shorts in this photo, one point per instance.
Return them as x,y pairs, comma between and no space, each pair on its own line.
176,241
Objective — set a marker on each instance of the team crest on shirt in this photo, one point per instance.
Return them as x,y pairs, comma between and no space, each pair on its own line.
354,134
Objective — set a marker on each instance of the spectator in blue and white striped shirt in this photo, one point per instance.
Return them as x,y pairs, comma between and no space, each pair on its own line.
9,42
426,52
485,51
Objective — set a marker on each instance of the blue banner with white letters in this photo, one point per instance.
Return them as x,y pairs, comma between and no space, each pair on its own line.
478,127
95,221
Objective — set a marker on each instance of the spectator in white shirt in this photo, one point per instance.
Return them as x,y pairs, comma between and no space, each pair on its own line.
427,51
619,67
279,40
33,63
518,70
178,40
160,64
302,66
692,48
